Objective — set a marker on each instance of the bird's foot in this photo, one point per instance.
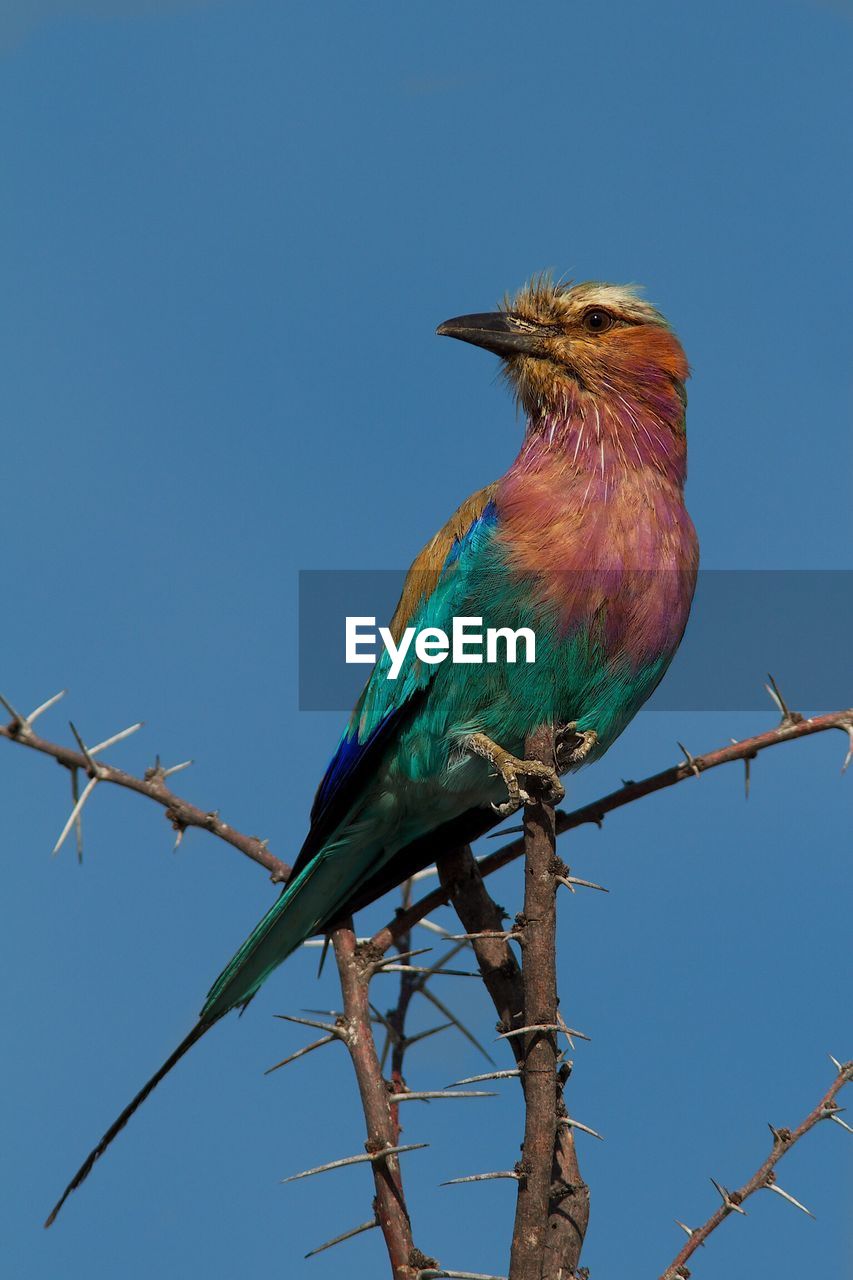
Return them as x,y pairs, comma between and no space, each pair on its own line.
573,745
543,776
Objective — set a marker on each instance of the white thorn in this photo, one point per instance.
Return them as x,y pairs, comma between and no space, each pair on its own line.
576,1124
176,768
772,1186
488,1075
424,875
429,1094
727,1200
433,927
481,1177
571,881
849,755
369,1157
837,1119
45,706
75,812
117,737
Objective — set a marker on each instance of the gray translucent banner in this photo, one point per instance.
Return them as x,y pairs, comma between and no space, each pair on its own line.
797,624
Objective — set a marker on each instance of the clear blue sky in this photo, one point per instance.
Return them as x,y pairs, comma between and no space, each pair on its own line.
227,232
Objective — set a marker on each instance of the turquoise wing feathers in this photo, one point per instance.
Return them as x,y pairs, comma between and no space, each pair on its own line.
341,849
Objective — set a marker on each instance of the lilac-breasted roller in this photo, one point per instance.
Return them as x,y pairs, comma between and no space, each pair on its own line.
586,541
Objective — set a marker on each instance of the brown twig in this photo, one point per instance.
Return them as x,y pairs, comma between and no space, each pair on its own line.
355,968
538,935
181,813
568,1209
764,1177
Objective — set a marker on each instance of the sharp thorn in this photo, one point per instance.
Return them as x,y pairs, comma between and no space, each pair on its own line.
311,1022
428,1095
116,737
481,1177
369,1157
94,767
488,1075
17,718
176,768
323,954
772,1186
75,813
690,760
345,1235
396,956
45,706
569,1123
393,967
424,874
838,1066
849,755
837,1119
544,1026
789,717
78,821
432,927
727,1199
300,1053
440,1273
571,881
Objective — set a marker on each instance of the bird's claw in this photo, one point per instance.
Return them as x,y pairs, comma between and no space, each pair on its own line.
544,778
573,745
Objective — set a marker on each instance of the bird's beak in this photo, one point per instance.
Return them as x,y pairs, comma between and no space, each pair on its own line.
500,331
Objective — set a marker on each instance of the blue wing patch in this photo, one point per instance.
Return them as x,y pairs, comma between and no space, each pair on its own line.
383,706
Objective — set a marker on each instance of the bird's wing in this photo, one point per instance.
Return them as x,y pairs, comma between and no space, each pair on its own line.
385,705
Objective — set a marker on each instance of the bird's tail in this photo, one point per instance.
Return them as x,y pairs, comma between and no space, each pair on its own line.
116,1127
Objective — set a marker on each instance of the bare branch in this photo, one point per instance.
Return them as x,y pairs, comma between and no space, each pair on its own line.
764,1178
181,813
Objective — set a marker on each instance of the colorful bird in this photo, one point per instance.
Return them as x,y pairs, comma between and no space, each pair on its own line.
586,541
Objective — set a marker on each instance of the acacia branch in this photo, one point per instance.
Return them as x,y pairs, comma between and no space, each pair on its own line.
538,937
789,730
181,813
568,1202
355,969
567,1194
764,1177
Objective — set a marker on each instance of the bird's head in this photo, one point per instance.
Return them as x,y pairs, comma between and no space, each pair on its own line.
558,340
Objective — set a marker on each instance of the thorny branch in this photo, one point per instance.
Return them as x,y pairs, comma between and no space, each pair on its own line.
745,751
568,1199
181,813
764,1177
462,884
389,1206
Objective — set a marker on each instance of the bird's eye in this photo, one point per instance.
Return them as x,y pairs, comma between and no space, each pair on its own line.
597,321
